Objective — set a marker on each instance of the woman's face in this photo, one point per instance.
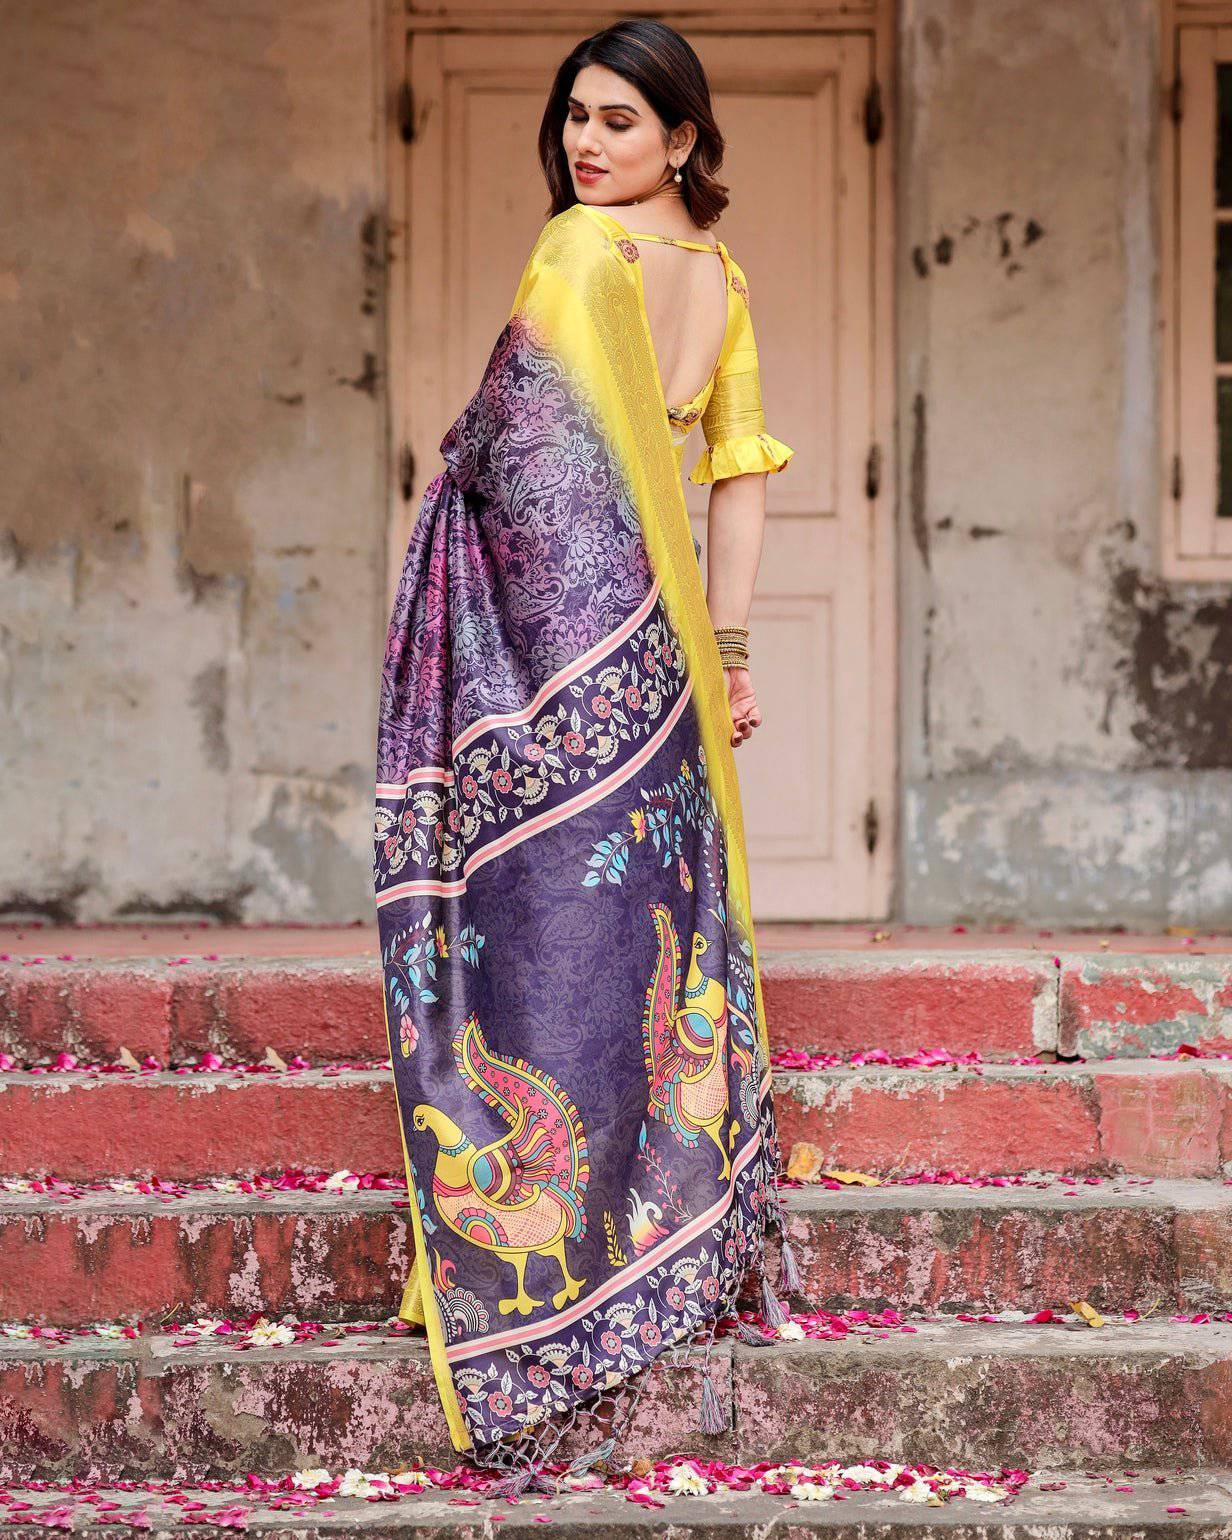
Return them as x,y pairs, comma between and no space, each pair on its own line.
614,139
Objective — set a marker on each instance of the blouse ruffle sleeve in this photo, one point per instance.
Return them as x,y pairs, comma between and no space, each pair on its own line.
734,424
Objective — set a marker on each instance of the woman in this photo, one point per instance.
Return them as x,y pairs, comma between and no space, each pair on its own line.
571,983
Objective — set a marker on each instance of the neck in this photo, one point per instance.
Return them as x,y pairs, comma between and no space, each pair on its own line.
666,189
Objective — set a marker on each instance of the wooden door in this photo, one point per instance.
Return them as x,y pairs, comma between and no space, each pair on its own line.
802,224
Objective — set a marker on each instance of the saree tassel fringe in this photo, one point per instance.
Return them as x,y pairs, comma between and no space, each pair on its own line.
712,1419
592,1457
789,1271
772,1311
750,1335
513,1487
531,1478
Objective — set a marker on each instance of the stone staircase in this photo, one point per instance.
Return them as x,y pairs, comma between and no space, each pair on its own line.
1095,1173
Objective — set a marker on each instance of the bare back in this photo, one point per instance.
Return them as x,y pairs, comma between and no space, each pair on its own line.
686,306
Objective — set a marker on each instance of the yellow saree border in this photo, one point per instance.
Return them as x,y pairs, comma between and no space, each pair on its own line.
429,1311
582,292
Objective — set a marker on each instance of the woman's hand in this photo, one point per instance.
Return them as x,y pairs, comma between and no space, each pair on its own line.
745,712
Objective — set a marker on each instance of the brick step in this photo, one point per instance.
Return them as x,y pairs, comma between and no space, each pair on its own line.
1062,1505
331,1009
947,1393
996,1003
1167,1118
1149,1117
337,1257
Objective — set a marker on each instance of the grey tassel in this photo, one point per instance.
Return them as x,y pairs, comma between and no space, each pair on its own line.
713,1419
772,1312
789,1272
584,1462
513,1486
750,1335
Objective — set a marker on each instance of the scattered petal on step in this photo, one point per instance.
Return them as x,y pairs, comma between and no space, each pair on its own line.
861,1474
639,1492
687,1481
811,1491
919,1492
854,1178
1090,1315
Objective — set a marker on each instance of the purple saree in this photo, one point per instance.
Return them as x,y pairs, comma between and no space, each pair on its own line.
570,978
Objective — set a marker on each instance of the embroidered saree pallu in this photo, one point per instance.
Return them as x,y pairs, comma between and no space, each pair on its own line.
570,979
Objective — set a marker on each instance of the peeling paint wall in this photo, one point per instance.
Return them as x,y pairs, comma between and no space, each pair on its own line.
192,506
1066,753
192,429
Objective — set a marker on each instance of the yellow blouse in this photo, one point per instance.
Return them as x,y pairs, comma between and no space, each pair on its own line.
729,404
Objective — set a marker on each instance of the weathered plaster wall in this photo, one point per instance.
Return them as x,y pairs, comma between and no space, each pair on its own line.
1066,752
192,444
191,428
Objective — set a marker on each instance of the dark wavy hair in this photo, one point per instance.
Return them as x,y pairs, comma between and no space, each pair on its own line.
658,61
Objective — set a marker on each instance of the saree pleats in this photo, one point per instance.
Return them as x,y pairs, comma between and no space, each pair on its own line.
570,979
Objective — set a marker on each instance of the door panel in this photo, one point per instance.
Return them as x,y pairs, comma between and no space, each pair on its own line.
801,225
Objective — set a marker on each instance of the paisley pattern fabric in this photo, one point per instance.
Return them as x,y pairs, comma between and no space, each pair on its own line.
570,978
546,517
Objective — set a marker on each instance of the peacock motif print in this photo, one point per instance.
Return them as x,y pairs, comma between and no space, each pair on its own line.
522,1194
685,1043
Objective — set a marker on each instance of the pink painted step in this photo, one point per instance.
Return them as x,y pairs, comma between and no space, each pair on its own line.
1165,1244
1165,1118
948,1393
82,1126
330,1009
1133,1006
1057,1504
345,1256
996,1004
1054,1504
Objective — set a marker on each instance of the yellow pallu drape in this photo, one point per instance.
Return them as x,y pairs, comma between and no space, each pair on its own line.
581,292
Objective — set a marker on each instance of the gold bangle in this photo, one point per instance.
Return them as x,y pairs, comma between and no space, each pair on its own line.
733,645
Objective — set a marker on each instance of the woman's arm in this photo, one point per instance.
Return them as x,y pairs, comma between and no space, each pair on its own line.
738,457
734,528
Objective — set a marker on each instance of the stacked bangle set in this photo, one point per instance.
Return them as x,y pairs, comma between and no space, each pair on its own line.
733,645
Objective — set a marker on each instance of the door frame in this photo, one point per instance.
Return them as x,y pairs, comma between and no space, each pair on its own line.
404,117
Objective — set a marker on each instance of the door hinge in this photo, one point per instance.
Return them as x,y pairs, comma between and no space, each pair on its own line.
872,472
1177,483
406,472
1176,99
406,112
874,115
872,825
